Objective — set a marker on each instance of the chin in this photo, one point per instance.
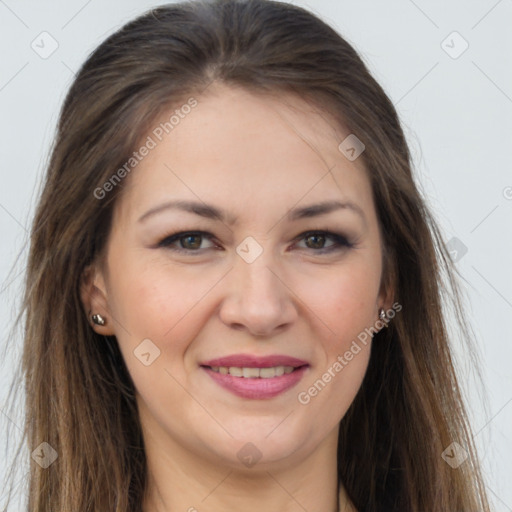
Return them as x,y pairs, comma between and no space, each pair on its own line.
262,447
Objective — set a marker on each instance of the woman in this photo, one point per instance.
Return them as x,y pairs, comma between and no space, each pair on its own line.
234,287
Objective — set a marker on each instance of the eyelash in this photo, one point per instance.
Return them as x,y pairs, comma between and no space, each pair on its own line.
340,242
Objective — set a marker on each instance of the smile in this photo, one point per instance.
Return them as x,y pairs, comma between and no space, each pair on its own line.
254,373
256,377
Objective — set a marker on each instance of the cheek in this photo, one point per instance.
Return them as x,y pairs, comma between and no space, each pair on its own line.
346,375
349,309
345,300
332,387
158,302
159,307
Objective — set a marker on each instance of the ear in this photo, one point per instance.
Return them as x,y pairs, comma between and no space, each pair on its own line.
386,295
93,293
387,290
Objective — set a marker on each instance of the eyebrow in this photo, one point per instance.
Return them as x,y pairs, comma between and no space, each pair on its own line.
212,212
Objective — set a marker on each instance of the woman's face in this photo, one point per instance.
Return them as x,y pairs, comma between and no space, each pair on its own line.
238,332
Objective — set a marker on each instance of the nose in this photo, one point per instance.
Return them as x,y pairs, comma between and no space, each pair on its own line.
258,299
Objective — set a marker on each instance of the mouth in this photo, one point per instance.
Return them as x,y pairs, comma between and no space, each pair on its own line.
253,373
254,377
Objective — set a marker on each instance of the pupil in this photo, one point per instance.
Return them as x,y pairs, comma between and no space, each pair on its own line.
318,241
191,245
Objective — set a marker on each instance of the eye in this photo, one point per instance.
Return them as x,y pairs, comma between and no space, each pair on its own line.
192,242
189,241
316,241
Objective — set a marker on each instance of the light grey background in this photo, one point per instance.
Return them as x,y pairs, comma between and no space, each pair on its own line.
456,109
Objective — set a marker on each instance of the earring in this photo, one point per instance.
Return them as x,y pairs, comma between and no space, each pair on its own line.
98,319
383,317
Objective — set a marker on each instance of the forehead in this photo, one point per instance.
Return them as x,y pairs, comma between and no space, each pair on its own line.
248,150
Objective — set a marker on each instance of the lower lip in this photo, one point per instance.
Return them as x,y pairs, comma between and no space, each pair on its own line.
257,388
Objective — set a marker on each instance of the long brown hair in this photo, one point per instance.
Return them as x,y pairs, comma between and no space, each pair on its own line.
79,395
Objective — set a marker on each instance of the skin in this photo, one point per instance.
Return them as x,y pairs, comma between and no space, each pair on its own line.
256,157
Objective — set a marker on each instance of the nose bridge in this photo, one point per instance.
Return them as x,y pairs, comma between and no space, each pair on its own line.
259,287
253,261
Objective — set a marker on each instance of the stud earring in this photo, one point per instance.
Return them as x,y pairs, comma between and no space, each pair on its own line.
383,317
98,319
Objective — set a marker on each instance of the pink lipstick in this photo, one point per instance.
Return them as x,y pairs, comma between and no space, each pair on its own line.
256,377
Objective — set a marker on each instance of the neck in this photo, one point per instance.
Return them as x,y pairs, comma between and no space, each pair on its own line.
181,480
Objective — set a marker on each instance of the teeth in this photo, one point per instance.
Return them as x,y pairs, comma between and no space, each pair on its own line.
254,373
279,371
267,373
236,372
249,372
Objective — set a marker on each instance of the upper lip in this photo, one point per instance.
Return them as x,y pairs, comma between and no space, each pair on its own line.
252,361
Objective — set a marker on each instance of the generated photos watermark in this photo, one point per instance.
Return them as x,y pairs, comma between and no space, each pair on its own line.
152,141
304,397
